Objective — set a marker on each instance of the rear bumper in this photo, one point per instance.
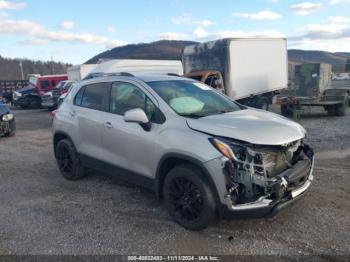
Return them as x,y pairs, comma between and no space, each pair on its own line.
48,103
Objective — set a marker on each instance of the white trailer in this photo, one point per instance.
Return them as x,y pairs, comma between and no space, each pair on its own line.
79,72
139,66
249,70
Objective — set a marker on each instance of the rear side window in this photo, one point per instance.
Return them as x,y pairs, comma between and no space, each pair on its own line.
79,97
93,96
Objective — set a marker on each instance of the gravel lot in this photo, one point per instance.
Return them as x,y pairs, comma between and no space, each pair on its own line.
41,213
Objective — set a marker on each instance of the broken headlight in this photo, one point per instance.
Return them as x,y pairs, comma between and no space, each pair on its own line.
228,149
7,117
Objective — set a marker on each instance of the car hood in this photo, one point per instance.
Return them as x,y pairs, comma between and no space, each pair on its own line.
250,125
4,109
25,90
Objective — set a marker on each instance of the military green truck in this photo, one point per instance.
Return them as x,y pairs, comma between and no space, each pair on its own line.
311,86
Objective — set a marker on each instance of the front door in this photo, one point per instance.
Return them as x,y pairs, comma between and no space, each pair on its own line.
128,145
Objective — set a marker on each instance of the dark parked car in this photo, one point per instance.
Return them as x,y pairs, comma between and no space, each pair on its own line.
7,121
50,99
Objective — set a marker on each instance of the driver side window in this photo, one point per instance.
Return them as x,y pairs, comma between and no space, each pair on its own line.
126,96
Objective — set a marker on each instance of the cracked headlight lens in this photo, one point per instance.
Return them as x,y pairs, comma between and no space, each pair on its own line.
229,150
7,117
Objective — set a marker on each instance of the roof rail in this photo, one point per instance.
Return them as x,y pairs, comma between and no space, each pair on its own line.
172,74
96,75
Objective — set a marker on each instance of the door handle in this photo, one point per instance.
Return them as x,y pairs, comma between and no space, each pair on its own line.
72,113
108,125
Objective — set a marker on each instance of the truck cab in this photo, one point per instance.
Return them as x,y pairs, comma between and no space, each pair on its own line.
210,78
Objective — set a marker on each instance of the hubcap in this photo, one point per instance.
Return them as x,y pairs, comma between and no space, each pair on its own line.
185,198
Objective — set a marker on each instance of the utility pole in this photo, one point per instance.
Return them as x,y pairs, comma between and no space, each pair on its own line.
21,66
52,66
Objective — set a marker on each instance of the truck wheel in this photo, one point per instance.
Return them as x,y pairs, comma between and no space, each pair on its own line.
340,109
286,110
188,198
263,103
35,103
330,110
68,161
25,103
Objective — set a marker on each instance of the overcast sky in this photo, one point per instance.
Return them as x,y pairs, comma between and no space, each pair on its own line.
75,30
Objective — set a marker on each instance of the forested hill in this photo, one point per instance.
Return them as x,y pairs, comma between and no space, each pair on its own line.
10,68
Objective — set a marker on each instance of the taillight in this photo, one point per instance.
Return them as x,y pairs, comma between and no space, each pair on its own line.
53,114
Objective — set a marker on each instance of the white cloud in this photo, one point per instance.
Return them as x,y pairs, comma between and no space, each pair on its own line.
335,2
245,34
20,27
305,8
261,15
34,41
40,35
205,22
331,35
341,45
186,19
67,25
3,15
173,36
339,19
200,33
111,29
7,5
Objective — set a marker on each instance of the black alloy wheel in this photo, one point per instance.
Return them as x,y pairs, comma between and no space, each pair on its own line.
186,199
189,198
68,161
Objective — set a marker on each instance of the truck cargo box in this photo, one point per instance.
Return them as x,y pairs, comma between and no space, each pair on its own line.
139,66
249,66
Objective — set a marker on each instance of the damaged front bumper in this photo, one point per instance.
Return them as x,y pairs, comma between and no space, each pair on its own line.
251,193
270,206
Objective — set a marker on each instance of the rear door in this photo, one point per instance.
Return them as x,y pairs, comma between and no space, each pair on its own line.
128,145
89,105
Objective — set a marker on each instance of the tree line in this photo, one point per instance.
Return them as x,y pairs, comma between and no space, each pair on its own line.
10,69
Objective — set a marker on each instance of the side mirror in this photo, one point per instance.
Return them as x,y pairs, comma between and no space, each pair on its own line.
138,116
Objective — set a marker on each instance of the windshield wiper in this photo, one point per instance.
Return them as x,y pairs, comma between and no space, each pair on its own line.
194,115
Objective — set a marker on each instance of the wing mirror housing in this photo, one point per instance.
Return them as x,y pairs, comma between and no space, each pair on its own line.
138,116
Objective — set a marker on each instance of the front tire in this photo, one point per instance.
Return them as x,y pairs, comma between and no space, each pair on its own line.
189,198
68,161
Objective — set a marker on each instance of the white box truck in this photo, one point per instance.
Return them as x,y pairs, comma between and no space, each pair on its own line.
139,66
251,71
79,72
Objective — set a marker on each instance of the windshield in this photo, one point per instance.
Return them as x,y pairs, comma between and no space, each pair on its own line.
193,99
33,80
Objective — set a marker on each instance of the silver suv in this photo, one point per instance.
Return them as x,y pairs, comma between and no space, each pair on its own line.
204,154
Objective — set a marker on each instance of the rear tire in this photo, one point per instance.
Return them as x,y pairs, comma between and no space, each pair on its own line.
286,110
68,161
35,103
189,198
330,110
263,103
340,109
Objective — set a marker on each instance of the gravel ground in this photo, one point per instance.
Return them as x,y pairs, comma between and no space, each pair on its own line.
41,213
